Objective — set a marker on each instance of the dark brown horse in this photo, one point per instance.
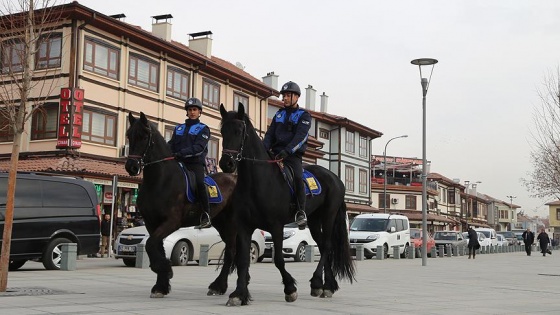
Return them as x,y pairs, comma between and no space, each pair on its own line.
164,207
262,200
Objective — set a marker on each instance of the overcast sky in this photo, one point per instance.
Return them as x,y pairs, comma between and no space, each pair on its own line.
493,56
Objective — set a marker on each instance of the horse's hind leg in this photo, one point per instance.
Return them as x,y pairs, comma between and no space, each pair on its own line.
160,265
241,294
290,289
316,282
220,285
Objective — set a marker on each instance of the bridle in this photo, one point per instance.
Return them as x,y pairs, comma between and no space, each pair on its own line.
140,159
237,155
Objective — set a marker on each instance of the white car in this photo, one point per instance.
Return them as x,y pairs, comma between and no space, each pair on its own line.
294,243
482,239
380,229
182,245
502,240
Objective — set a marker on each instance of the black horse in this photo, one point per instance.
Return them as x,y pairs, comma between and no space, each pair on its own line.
262,198
165,208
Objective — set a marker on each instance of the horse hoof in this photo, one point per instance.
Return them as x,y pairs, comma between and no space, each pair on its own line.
327,294
157,295
213,292
291,297
316,292
234,302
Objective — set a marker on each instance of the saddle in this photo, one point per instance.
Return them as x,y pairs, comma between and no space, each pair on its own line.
214,193
312,185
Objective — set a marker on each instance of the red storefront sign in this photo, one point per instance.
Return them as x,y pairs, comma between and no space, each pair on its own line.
70,120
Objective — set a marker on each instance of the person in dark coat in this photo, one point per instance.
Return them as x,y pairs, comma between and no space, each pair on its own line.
528,239
105,233
189,144
473,242
544,240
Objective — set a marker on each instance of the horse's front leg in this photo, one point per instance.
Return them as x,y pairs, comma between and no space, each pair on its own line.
290,289
160,265
241,294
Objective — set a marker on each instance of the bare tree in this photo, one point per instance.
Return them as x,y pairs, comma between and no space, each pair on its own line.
25,84
544,180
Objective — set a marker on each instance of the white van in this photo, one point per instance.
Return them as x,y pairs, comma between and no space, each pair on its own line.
489,233
380,229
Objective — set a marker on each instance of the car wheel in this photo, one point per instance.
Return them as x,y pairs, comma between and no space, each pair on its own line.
254,253
386,250
368,256
180,254
129,262
53,253
403,255
300,253
16,264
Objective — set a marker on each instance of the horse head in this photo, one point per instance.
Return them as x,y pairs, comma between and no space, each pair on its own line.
234,133
140,140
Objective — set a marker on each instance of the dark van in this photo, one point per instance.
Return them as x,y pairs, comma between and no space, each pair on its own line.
50,210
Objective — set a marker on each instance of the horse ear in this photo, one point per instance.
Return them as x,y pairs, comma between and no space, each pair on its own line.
223,111
240,111
131,118
143,119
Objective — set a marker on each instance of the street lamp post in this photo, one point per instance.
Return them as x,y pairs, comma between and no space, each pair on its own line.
511,209
385,172
425,84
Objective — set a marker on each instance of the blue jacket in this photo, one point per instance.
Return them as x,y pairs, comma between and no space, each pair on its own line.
190,140
288,131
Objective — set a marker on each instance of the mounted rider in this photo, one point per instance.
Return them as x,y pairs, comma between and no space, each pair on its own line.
287,137
189,145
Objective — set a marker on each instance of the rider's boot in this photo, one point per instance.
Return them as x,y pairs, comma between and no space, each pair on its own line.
301,217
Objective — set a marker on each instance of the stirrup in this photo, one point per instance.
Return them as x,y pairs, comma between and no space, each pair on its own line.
205,220
301,219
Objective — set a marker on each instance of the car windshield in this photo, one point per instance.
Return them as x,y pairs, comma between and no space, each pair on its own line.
445,236
520,237
415,233
507,234
486,233
466,234
369,224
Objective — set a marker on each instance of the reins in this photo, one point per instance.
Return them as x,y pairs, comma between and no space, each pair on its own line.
237,155
140,158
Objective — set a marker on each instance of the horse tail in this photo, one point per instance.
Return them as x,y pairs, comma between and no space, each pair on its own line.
342,263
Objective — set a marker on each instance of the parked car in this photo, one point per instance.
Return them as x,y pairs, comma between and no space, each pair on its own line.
416,239
182,245
510,237
489,233
519,237
453,238
50,210
502,241
294,243
380,229
482,239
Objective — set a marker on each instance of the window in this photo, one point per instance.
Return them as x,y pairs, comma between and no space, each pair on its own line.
410,202
12,55
350,141
380,203
349,178
451,196
45,122
212,157
6,129
143,72
324,133
210,93
177,83
99,128
363,181
168,133
363,147
101,58
49,52
557,214
238,98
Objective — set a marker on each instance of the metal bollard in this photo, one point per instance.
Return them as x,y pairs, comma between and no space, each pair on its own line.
433,253
461,250
360,252
396,254
68,256
449,249
441,251
309,253
455,250
380,253
411,252
203,258
142,259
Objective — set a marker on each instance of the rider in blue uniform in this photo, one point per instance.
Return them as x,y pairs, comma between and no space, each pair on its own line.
189,145
286,138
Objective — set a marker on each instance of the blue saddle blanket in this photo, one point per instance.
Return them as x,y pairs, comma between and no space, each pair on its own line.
214,193
312,185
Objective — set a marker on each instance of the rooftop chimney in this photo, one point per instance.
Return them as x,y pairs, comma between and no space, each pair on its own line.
201,42
310,94
324,102
161,27
271,80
